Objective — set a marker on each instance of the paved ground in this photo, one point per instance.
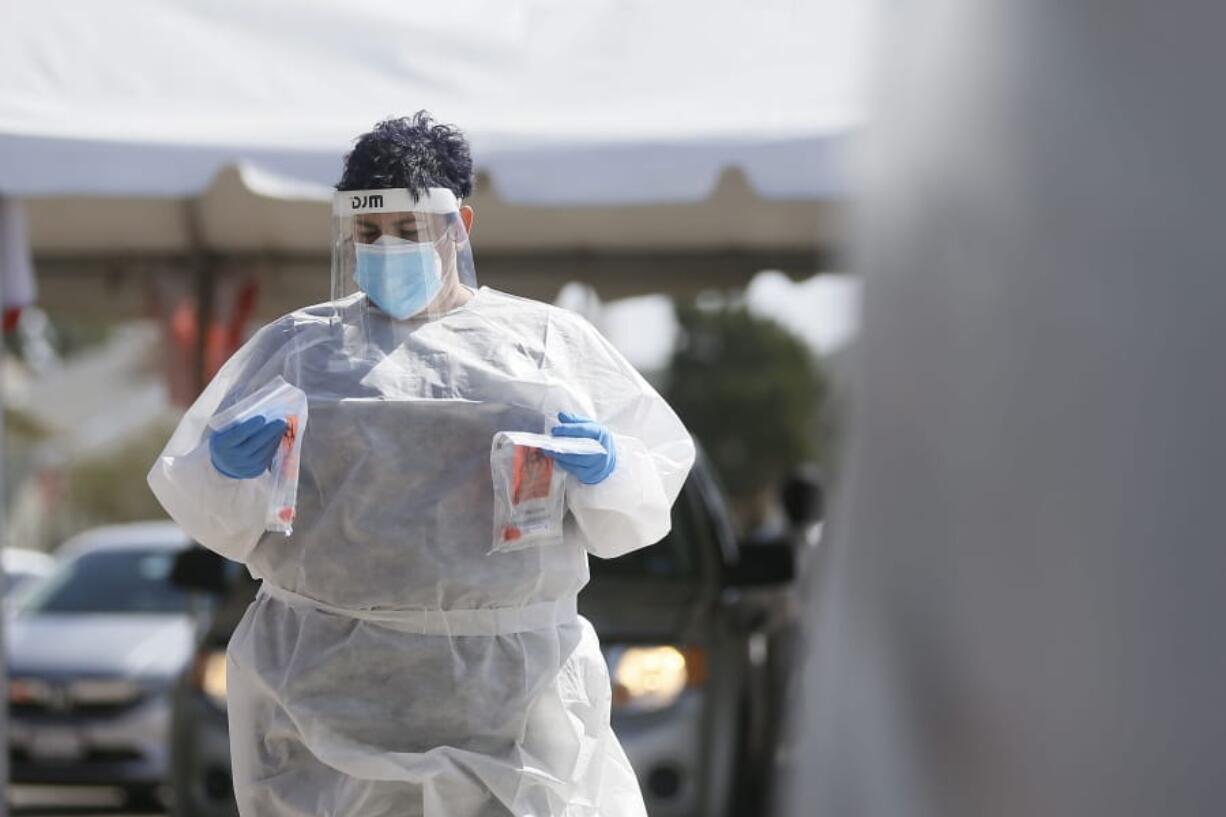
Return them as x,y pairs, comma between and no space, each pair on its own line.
39,801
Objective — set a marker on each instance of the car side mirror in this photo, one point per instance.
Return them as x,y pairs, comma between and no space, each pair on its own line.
201,571
764,563
803,497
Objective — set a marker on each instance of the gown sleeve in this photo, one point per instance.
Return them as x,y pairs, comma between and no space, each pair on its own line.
632,508
223,514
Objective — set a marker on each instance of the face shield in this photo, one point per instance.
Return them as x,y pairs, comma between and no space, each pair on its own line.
400,256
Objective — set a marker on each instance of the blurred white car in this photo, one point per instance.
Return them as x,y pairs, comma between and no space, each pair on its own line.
22,568
94,650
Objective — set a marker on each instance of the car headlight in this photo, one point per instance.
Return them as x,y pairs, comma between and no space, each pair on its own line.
653,678
210,675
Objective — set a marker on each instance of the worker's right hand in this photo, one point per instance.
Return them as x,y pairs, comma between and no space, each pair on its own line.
245,450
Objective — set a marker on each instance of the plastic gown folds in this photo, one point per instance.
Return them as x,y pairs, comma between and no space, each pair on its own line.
394,663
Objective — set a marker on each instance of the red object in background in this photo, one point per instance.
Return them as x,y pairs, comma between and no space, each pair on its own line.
11,316
234,305
225,336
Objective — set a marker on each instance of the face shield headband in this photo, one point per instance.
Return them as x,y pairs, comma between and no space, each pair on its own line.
407,255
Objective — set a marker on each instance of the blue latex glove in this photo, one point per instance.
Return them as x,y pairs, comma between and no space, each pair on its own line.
245,450
587,468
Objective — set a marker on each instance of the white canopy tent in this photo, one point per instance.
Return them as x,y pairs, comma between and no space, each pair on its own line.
637,145
606,102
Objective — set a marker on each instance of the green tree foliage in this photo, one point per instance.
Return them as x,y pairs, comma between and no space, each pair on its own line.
752,393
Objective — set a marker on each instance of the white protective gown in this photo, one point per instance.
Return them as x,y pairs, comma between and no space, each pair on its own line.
391,664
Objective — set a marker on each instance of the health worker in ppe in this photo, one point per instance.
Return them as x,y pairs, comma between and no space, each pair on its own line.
398,660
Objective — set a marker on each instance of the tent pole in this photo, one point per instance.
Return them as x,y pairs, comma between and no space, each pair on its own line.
206,289
204,268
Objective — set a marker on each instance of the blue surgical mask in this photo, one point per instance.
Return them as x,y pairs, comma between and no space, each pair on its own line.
401,277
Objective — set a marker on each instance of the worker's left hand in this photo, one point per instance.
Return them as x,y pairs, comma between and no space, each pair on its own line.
587,468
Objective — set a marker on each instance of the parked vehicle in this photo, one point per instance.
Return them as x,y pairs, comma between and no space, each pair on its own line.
687,626
94,651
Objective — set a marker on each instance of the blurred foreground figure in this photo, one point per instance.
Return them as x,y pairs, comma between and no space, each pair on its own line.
1022,611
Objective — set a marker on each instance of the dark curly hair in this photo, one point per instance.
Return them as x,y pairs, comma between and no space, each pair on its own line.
413,152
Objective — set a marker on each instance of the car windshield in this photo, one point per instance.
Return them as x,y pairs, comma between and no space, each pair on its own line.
123,580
